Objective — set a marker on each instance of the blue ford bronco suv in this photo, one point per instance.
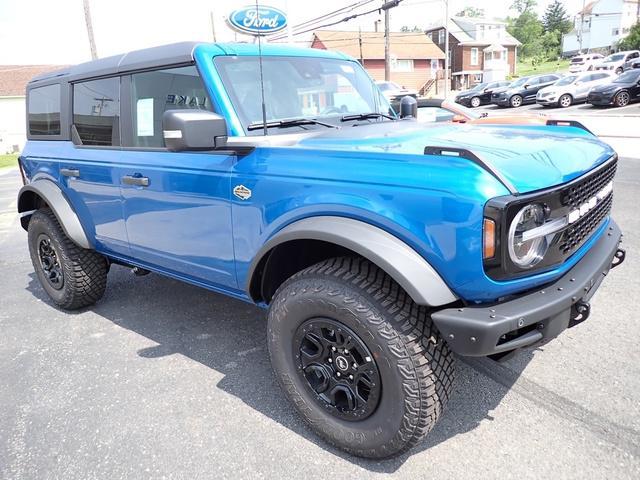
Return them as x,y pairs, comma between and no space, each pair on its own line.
380,246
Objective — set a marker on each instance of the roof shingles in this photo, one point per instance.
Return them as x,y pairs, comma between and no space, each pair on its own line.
14,78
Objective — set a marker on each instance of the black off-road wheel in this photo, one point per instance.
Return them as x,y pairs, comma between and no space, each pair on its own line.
72,276
359,360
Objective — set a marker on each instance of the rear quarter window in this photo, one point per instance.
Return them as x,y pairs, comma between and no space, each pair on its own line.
44,110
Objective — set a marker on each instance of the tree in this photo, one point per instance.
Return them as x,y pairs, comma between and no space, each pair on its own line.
524,6
471,12
528,29
631,41
555,18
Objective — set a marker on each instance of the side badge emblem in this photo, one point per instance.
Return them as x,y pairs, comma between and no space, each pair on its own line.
242,192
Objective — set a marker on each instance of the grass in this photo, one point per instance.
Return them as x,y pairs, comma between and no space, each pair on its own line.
525,67
9,160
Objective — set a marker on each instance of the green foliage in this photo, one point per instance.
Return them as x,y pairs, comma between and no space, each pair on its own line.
555,18
471,12
9,160
528,30
631,41
415,28
524,6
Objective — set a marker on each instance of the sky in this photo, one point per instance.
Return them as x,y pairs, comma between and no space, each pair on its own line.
54,31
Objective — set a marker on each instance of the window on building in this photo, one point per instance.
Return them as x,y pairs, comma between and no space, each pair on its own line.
401,65
441,36
474,56
96,111
44,110
153,93
477,78
481,32
615,31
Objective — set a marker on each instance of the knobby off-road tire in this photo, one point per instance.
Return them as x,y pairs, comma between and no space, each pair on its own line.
72,276
411,360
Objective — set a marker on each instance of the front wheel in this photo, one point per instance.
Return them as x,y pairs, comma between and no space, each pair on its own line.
515,101
73,277
361,363
475,102
565,100
622,99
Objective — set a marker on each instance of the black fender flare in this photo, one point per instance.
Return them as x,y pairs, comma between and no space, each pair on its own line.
56,200
408,268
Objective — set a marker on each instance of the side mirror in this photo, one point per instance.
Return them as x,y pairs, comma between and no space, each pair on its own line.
408,107
186,130
526,85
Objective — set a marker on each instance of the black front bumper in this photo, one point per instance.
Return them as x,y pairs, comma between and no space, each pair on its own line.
534,317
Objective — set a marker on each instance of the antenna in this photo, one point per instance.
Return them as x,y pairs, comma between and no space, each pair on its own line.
264,107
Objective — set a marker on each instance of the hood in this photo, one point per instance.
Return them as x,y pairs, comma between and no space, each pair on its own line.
529,157
467,93
549,89
500,90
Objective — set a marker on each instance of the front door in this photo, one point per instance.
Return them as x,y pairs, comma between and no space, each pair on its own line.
176,205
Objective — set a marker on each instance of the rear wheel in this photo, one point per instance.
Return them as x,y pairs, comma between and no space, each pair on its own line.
361,363
619,70
565,100
516,101
622,99
475,102
73,277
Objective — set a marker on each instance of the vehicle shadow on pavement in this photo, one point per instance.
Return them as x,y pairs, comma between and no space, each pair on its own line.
229,336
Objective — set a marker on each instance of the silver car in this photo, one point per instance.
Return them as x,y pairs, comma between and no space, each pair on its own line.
572,89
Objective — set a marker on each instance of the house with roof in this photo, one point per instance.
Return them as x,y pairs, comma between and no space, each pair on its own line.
599,26
13,80
415,59
480,50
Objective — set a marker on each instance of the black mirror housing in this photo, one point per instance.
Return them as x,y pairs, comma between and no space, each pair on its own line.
408,107
185,130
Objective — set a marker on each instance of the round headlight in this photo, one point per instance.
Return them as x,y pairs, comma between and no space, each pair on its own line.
525,254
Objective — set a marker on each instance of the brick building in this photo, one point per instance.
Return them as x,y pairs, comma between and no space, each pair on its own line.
414,58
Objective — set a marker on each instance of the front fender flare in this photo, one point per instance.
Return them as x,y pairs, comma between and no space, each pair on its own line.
53,196
410,270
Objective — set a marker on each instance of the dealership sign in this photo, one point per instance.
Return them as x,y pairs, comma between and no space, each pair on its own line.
258,20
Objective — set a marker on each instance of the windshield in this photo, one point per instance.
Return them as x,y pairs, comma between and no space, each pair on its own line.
614,58
566,80
628,77
576,60
520,81
298,88
479,86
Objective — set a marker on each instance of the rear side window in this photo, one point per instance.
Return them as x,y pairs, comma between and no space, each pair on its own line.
44,110
96,111
152,93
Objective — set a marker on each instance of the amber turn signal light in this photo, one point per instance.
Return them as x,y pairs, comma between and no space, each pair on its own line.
489,239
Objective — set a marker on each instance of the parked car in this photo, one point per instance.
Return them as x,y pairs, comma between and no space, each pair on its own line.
379,246
523,90
620,92
440,110
392,91
616,61
631,64
572,89
480,94
584,63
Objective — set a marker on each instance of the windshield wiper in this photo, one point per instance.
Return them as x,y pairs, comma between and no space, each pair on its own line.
366,116
293,122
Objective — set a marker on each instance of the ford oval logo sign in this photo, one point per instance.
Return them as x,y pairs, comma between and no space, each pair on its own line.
258,20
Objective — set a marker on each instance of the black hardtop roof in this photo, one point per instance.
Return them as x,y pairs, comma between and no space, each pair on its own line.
172,54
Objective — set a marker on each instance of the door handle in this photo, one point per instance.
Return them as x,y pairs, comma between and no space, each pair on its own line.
135,180
70,172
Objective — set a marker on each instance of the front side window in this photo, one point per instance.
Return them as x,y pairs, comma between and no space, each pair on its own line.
44,110
153,93
297,88
96,111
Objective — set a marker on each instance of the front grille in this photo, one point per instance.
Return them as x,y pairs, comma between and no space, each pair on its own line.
574,236
577,194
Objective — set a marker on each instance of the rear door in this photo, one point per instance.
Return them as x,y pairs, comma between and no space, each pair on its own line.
89,172
177,205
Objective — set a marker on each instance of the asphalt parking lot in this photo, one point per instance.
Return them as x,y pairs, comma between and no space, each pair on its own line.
575,109
165,380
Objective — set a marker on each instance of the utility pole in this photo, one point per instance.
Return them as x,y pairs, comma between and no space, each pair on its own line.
87,19
213,28
446,48
360,44
387,67
581,26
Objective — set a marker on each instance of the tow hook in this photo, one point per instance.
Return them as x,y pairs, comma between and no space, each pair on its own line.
619,257
580,311
140,272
